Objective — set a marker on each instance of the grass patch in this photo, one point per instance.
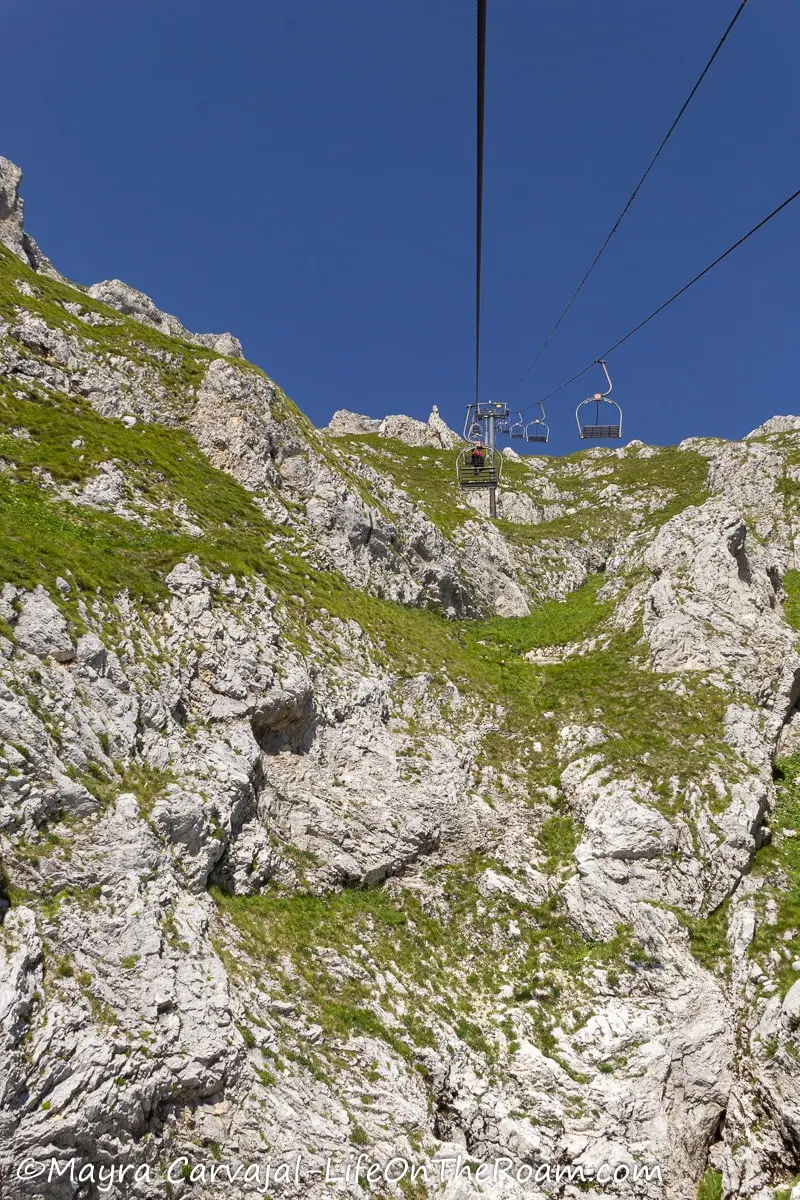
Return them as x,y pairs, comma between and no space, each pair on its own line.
710,1186
708,937
146,782
558,838
779,865
554,623
650,729
42,537
791,607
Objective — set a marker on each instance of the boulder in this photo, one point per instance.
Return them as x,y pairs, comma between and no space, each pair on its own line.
406,429
786,424
42,629
791,1005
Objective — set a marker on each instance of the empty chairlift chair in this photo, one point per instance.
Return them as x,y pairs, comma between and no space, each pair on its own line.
538,430
603,408
517,427
473,430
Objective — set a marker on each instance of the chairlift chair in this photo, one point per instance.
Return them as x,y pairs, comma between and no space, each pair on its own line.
613,429
538,430
517,427
476,475
472,426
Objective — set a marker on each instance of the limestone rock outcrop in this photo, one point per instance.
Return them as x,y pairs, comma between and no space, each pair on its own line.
133,303
435,432
12,224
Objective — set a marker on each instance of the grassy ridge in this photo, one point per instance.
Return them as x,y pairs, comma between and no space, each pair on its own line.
428,476
42,537
181,365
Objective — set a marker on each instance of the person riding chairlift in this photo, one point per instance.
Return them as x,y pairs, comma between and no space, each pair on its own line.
478,456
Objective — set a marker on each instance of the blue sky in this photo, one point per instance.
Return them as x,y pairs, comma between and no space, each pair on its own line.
301,172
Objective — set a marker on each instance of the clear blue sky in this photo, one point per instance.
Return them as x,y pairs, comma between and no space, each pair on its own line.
301,173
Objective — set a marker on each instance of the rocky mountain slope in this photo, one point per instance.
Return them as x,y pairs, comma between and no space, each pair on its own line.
336,818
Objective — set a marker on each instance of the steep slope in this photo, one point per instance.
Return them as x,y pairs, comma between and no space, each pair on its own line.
336,817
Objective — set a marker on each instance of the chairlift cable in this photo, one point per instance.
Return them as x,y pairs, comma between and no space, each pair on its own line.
671,300
481,94
633,195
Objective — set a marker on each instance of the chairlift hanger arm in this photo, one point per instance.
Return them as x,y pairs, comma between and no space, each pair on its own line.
602,363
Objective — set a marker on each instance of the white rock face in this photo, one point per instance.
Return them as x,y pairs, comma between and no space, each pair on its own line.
446,437
776,425
41,628
713,605
790,1008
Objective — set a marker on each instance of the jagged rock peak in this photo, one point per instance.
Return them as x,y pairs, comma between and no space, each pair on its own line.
132,303
433,432
12,225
